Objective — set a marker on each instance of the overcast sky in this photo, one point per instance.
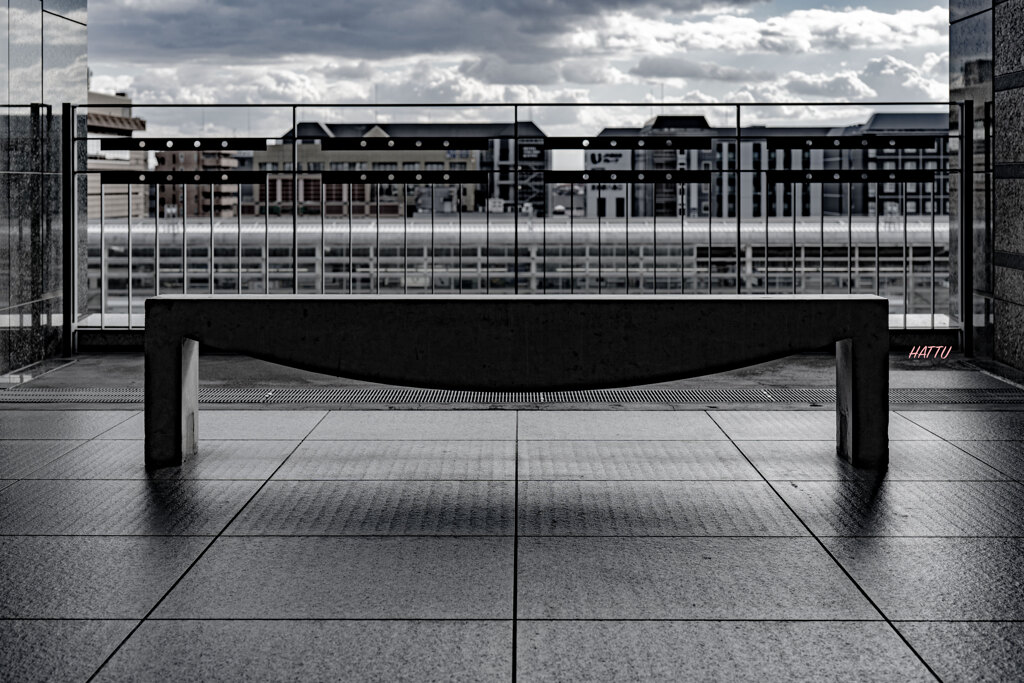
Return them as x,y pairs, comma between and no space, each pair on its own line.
463,51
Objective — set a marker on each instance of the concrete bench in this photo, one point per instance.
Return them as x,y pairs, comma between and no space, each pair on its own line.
517,343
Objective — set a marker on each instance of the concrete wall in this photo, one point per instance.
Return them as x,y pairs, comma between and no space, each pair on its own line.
46,44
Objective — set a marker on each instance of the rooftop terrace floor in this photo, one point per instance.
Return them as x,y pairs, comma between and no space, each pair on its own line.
574,542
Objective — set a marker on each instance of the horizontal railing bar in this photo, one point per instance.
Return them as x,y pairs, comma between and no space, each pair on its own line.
181,177
845,141
854,176
331,177
627,176
186,144
404,144
1007,171
509,105
628,142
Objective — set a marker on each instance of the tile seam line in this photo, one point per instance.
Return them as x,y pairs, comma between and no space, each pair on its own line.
133,413
515,555
494,620
201,554
952,442
834,559
460,536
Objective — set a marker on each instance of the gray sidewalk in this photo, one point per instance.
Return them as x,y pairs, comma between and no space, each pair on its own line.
492,544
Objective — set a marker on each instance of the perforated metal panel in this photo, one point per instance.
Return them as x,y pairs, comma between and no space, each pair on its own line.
340,396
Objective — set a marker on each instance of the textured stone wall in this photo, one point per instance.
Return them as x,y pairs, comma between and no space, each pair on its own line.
1008,157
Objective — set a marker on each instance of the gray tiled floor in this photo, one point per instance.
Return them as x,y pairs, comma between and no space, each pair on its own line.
487,545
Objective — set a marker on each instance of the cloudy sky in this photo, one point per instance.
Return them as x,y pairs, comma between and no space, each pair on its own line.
527,51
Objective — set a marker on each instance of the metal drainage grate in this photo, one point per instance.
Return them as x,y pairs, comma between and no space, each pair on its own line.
330,396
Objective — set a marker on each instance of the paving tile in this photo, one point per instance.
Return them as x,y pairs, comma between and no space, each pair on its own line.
354,578
46,577
76,507
908,460
908,508
935,378
236,425
116,459
977,651
801,425
971,425
1005,456
714,651
417,425
938,578
446,460
607,460
400,508
18,458
683,578
51,650
617,425
315,650
60,424
653,508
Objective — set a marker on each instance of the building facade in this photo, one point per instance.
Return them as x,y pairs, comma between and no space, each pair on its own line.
218,200
370,199
111,116
759,152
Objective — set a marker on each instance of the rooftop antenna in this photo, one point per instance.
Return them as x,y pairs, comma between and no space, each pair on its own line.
375,103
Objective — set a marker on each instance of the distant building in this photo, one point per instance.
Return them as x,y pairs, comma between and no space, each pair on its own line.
718,199
366,199
197,200
111,116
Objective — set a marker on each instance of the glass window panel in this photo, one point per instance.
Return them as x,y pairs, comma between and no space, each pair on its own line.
958,9
65,62
25,33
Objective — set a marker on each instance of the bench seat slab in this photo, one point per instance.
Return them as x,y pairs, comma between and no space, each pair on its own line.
517,343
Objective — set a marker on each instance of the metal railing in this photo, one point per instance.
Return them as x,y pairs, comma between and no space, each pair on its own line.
336,228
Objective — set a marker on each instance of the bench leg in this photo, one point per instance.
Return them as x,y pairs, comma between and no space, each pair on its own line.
862,404
172,402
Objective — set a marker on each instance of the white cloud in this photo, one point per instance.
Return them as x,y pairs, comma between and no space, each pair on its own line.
843,85
678,66
799,31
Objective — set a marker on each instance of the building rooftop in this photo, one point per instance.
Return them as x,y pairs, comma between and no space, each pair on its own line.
406,130
456,542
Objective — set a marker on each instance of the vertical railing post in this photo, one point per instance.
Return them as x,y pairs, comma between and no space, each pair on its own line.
156,243
967,226
739,211
130,256
515,190
295,200
213,243
67,179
